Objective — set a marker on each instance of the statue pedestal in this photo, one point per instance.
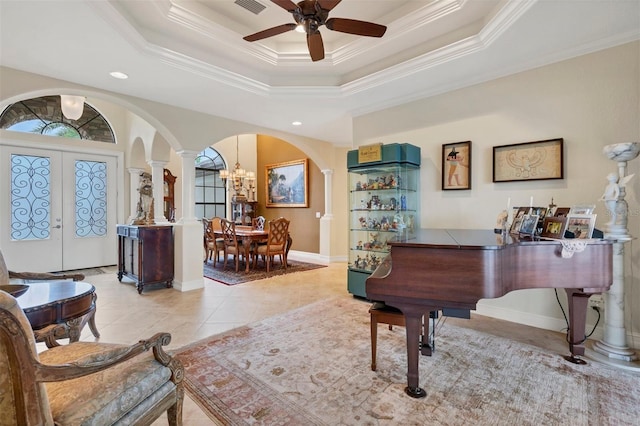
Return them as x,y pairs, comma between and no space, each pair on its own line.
614,343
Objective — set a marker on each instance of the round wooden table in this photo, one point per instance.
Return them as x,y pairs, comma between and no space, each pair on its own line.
59,309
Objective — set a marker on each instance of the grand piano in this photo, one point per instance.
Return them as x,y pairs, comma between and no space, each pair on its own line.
454,268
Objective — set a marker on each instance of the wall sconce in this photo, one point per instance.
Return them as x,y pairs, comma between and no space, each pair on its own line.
72,106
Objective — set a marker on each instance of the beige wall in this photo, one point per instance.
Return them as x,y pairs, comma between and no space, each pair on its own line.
304,227
590,101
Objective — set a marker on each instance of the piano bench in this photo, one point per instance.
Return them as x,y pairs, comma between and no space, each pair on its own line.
381,313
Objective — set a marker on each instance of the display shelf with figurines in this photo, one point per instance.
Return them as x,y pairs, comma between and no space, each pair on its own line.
383,205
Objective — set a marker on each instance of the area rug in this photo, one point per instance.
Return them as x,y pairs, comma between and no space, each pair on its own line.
231,277
311,366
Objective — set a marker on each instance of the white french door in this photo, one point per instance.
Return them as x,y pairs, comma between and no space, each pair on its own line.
58,209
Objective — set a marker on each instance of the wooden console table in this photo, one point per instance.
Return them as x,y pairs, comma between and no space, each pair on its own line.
59,310
145,254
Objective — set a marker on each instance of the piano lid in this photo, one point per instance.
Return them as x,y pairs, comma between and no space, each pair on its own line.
484,239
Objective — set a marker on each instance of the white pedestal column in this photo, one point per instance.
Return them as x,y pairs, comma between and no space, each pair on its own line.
614,343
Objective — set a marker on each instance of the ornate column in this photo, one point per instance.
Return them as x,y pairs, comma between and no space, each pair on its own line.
134,196
157,176
614,343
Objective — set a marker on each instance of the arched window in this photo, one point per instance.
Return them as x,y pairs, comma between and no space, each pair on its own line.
44,115
211,195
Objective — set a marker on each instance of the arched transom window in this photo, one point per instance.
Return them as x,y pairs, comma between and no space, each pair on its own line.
210,189
44,115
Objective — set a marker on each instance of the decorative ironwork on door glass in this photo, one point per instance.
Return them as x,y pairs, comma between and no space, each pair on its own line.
91,198
30,197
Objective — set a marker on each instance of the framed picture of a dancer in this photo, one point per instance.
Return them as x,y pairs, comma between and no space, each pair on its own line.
456,166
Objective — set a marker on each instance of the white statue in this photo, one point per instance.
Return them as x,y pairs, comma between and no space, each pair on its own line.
145,204
612,193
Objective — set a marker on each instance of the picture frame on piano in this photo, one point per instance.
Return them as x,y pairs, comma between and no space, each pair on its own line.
562,211
553,227
518,216
582,209
580,225
529,224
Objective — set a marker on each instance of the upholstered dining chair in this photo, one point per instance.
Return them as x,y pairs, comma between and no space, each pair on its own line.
84,383
231,245
258,223
276,244
213,245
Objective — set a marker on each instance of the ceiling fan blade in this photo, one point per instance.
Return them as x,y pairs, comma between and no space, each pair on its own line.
316,46
328,4
287,5
270,32
353,26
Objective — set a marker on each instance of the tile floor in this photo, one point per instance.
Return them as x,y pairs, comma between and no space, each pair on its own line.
124,316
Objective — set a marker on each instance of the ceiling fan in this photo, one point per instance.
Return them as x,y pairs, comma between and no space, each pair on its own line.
310,15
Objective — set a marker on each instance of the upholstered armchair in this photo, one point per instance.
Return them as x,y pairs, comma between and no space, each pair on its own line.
84,383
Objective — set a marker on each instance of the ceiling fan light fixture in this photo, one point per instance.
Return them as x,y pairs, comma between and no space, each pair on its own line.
300,28
72,106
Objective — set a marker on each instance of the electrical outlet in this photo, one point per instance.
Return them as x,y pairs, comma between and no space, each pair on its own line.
597,301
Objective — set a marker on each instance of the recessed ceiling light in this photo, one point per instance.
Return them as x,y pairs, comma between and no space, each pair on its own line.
297,123
119,75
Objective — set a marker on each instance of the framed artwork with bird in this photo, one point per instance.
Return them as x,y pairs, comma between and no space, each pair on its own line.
538,160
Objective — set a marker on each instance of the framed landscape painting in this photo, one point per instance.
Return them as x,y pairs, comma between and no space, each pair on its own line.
287,184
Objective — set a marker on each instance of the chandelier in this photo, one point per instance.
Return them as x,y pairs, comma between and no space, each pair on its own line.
242,182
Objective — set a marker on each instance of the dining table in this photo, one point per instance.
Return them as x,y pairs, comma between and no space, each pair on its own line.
248,235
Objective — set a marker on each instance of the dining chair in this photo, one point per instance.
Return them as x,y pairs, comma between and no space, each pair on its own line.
276,244
231,245
212,244
257,223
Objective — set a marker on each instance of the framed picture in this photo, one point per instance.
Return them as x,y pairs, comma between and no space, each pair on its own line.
553,227
581,225
529,224
518,217
287,184
582,209
561,211
539,160
456,166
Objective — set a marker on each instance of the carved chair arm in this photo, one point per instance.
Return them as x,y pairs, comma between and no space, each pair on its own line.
93,363
45,276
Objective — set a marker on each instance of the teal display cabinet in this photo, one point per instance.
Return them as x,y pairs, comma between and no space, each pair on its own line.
384,201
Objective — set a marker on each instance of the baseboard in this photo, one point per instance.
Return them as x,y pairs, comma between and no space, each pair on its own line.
189,285
534,320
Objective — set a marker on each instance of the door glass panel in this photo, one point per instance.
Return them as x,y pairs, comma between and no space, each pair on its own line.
30,197
91,199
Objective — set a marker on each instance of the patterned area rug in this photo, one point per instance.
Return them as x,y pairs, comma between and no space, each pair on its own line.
231,277
312,366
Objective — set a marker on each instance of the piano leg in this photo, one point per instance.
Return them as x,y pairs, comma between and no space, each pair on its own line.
413,321
578,304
